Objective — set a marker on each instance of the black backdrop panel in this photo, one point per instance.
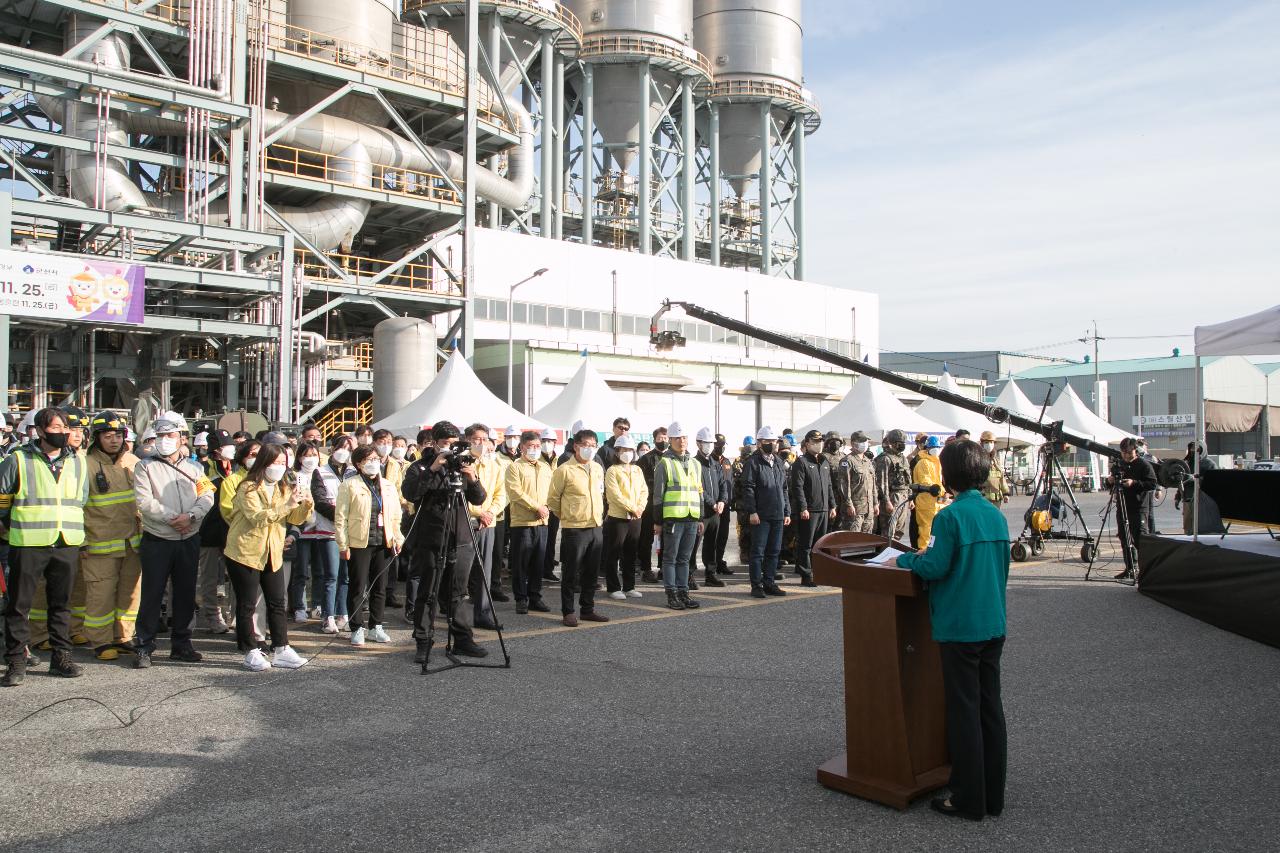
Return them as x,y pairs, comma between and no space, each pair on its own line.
1234,590
1244,495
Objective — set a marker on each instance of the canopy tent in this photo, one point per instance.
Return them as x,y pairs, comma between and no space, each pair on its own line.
1256,334
1012,398
457,395
1077,418
586,398
956,418
870,406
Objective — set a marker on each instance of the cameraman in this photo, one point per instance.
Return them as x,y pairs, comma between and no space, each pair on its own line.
427,483
1132,477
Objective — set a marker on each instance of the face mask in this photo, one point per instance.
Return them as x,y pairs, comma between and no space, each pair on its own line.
705,447
56,439
370,469
935,451
249,462
227,452
766,447
288,460
548,447
660,446
383,450
274,473
586,454
532,454
166,446
861,447
626,456
310,463
511,443
342,456
202,452
399,452
988,446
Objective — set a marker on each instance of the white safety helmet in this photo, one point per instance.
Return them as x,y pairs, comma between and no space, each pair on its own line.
676,431
202,439
766,433
624,442
174,418
548,434
578,426
705,434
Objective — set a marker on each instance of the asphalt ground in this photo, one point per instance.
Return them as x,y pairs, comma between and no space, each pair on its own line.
1132,727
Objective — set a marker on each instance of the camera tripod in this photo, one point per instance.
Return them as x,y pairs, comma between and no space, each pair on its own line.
448,543
1130,547
1032,540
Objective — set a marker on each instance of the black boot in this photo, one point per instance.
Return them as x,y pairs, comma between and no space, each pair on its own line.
689,603
674,601
649,576
712,580
14,675
496,593
62,664
468,648
693,584
424,649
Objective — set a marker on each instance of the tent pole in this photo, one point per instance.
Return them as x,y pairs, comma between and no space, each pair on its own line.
1195,453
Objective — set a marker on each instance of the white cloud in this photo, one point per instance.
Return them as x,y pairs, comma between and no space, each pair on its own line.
1009,194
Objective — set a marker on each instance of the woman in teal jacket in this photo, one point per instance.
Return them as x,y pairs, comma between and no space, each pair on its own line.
967,568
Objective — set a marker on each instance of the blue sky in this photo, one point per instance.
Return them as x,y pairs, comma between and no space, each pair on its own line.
1004,172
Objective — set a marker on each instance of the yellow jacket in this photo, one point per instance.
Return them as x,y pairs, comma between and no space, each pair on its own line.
626,490
492,476
928,472
258,521
577,494
353,507
504,462
395,475
111,522
227,492
527,486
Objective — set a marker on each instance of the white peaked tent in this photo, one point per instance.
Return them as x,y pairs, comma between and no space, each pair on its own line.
1077,418
953,416
1012,398
871,407
586,398
457,395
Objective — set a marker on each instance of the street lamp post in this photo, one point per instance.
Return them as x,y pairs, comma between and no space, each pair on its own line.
511,348
1140,384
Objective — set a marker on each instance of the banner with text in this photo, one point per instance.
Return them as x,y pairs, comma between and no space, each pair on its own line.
50,287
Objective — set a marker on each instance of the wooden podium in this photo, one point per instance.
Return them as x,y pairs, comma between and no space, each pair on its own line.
895,725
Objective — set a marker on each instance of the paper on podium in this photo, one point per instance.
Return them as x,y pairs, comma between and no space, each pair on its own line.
890,553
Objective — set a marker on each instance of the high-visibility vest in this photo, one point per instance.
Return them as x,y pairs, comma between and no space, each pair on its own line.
44,508
682,494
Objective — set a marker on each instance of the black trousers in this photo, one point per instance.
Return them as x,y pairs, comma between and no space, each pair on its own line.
57,565
1129,526
809,531
549,555
976,733
528,546
705,544
367,569
456,568
722,535
620,538
408,561
246,582
644,548
166,561
580,552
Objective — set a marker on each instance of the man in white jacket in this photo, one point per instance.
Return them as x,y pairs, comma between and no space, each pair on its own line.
173,495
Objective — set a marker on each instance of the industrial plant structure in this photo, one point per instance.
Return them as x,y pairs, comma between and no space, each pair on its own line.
219,201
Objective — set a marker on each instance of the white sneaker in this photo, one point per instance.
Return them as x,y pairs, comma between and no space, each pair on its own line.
618,595
286,658
329,627
379,635
256,661
299,616
342,623
634,593
315,612
357,637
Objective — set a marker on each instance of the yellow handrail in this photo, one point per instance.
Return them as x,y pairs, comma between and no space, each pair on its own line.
556,12
604,46
287,160
416,276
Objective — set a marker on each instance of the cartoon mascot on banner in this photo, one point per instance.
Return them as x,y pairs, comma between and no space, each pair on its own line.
82,291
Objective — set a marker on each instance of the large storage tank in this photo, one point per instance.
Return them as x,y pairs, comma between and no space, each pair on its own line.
404,363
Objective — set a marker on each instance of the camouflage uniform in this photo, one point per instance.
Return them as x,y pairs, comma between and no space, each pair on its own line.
839,489
892,486
859,513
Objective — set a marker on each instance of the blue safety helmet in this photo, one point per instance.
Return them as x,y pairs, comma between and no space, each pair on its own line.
933,441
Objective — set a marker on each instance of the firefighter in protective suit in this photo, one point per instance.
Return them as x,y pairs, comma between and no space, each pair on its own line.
927,472
108,584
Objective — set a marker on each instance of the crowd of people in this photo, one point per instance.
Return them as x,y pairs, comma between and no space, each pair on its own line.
114,538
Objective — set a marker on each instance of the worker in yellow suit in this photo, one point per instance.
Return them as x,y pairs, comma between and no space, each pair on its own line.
927,472
109,580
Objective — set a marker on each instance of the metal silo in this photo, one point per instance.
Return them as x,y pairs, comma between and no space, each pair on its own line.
760,114
404,363
637,55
